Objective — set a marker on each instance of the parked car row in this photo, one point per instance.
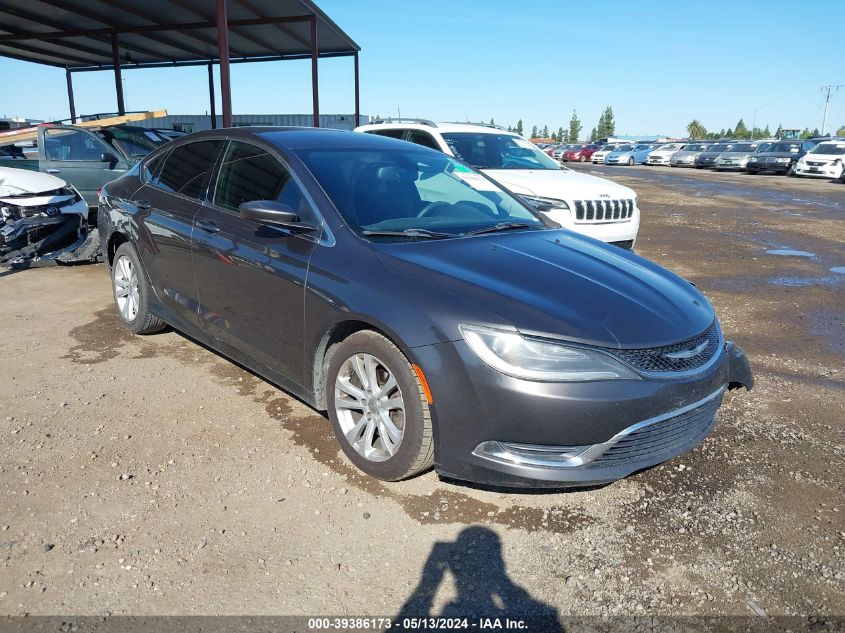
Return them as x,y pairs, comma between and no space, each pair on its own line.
822,157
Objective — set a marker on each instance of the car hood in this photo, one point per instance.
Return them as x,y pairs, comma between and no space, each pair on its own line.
735,154
619,154
556,284
683,152
562,184
18,182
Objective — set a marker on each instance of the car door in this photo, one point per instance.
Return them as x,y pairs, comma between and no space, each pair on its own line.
251,275
166,204
77,156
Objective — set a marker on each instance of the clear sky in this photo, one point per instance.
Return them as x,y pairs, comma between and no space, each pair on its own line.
658,64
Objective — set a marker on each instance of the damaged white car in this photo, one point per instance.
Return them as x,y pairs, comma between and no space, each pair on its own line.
43,221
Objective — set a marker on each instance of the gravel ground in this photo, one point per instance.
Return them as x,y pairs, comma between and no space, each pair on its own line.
148,475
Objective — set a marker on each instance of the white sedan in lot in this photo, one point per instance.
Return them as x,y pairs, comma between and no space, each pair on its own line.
825,160
663,154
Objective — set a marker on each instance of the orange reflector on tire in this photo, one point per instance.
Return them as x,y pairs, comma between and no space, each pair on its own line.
424,383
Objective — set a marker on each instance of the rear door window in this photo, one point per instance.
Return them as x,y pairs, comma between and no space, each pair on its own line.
421,138
188,167
392,133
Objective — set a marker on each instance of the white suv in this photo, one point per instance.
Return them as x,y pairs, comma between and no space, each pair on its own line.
586,204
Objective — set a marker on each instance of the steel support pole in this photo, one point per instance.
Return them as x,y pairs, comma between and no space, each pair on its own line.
118,83
314,79
357,94
212,108
72,105
223,46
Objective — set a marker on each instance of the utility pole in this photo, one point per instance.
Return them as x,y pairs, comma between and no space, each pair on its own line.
826,90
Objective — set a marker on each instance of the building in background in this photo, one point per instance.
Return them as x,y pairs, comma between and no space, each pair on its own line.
198,122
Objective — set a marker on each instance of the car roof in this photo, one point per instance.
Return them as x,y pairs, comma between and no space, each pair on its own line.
430,126
297,137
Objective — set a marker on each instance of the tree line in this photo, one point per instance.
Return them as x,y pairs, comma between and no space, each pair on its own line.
697,131
605,127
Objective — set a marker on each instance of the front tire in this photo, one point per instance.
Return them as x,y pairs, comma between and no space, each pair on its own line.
631,161
378,408
582,159
131,292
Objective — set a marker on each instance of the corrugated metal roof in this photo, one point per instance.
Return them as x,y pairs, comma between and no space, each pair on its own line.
77,34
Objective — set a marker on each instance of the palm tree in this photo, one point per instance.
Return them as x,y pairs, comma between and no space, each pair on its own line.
696,130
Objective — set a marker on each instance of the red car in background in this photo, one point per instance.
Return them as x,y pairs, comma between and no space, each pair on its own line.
580,154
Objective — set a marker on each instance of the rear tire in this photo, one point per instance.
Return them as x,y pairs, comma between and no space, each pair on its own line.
131,292
378,408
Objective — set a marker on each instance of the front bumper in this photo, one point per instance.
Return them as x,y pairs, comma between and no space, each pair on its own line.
830,170
498,430
731,166
775,168
683,163
656,160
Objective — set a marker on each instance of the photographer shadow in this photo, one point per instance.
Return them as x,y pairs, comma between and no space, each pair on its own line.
484,590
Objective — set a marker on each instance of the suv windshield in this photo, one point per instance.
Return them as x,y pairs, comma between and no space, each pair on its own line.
832,149
409,193
497,151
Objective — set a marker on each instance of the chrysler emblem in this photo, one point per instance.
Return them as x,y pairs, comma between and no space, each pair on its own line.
689,353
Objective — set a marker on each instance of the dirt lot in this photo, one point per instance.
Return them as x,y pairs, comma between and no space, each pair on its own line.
151,476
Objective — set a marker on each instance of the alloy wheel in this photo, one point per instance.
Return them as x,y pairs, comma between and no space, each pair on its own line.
370,407
126,291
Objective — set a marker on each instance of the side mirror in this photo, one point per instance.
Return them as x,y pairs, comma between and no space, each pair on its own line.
108,157
272,212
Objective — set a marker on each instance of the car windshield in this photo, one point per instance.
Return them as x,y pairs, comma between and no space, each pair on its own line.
694,147
743,147
670,148
624,148
719,148
423,193
831,149
497,151
784,147
133,141
642,147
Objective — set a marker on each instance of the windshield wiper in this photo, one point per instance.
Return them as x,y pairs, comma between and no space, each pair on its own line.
423,233
501,226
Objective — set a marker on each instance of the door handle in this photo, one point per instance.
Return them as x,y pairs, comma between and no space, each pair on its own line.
208,226
54,171
141,204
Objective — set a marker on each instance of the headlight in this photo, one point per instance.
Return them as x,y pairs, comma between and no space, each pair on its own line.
514,355
784,160
753,159
545,204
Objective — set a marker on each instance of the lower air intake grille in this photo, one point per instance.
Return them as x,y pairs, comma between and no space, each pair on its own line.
663,437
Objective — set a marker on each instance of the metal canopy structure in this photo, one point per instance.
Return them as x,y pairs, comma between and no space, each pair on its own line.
92,35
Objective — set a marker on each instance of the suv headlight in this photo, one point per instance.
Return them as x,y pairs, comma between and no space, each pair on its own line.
514,355
546,204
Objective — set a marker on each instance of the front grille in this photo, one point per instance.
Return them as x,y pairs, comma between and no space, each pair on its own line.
663,437
659,359
816,163
603,210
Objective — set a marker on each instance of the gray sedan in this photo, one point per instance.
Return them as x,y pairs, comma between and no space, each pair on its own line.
737,157
687,156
